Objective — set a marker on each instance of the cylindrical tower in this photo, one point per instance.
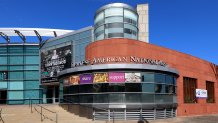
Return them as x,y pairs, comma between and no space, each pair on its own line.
117,20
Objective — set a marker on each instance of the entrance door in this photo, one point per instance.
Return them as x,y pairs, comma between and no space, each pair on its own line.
56,94
3,96
49,95
52,94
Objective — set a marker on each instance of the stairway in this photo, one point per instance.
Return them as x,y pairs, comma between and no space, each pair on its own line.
22,114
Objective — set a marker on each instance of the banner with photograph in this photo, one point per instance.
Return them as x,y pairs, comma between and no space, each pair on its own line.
74,80
100,77
53,61
116,77
132,77
86,78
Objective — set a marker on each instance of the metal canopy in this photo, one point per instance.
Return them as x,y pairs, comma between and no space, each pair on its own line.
7,38
6,33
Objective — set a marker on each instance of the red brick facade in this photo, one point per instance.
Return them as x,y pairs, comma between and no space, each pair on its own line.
187,65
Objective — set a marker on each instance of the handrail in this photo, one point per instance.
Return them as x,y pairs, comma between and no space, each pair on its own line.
1,119
41,112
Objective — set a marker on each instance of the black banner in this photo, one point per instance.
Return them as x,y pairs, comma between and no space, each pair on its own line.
53,61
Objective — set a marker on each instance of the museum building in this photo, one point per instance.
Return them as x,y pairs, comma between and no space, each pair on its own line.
111,71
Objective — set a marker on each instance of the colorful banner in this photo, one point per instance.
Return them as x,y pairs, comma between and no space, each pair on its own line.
86,79
74,80
116,77
100,77
132,77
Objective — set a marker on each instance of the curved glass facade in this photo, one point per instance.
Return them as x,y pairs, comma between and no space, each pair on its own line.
116,21
120,87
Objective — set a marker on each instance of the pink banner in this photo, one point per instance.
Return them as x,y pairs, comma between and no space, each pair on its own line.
116,77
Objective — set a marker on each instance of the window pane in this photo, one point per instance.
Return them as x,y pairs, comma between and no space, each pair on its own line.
117,98
160,78
131,98
147,87
32,59
148,77
113,19
159,88
210,92
114,12
133,87
16,60
99,17
147,98
15,85
3,60
189,87
16,75
130,14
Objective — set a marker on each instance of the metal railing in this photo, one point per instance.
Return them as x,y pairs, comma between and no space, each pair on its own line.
1,119
42,110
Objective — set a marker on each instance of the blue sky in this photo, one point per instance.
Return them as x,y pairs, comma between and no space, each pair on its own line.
188,26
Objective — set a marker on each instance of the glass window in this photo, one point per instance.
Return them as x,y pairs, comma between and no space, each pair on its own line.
130,14
130,36
86,88
100,98
100,37
128,26
3,60
32,49
210,92
85,98
31,84
30,67
15,94
169,79
117,98
163,98
73,89
133,98
99,17
116,87
3,85
148,77
111,35
32,59
113,30
31,93
3,49
160,78
31,75
147,98
99,29
16,60
3,75
189,88
113,19
113,12
169,89
16,49
97,88
159,88
15,85
16,75
147,87
15,68
133,87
